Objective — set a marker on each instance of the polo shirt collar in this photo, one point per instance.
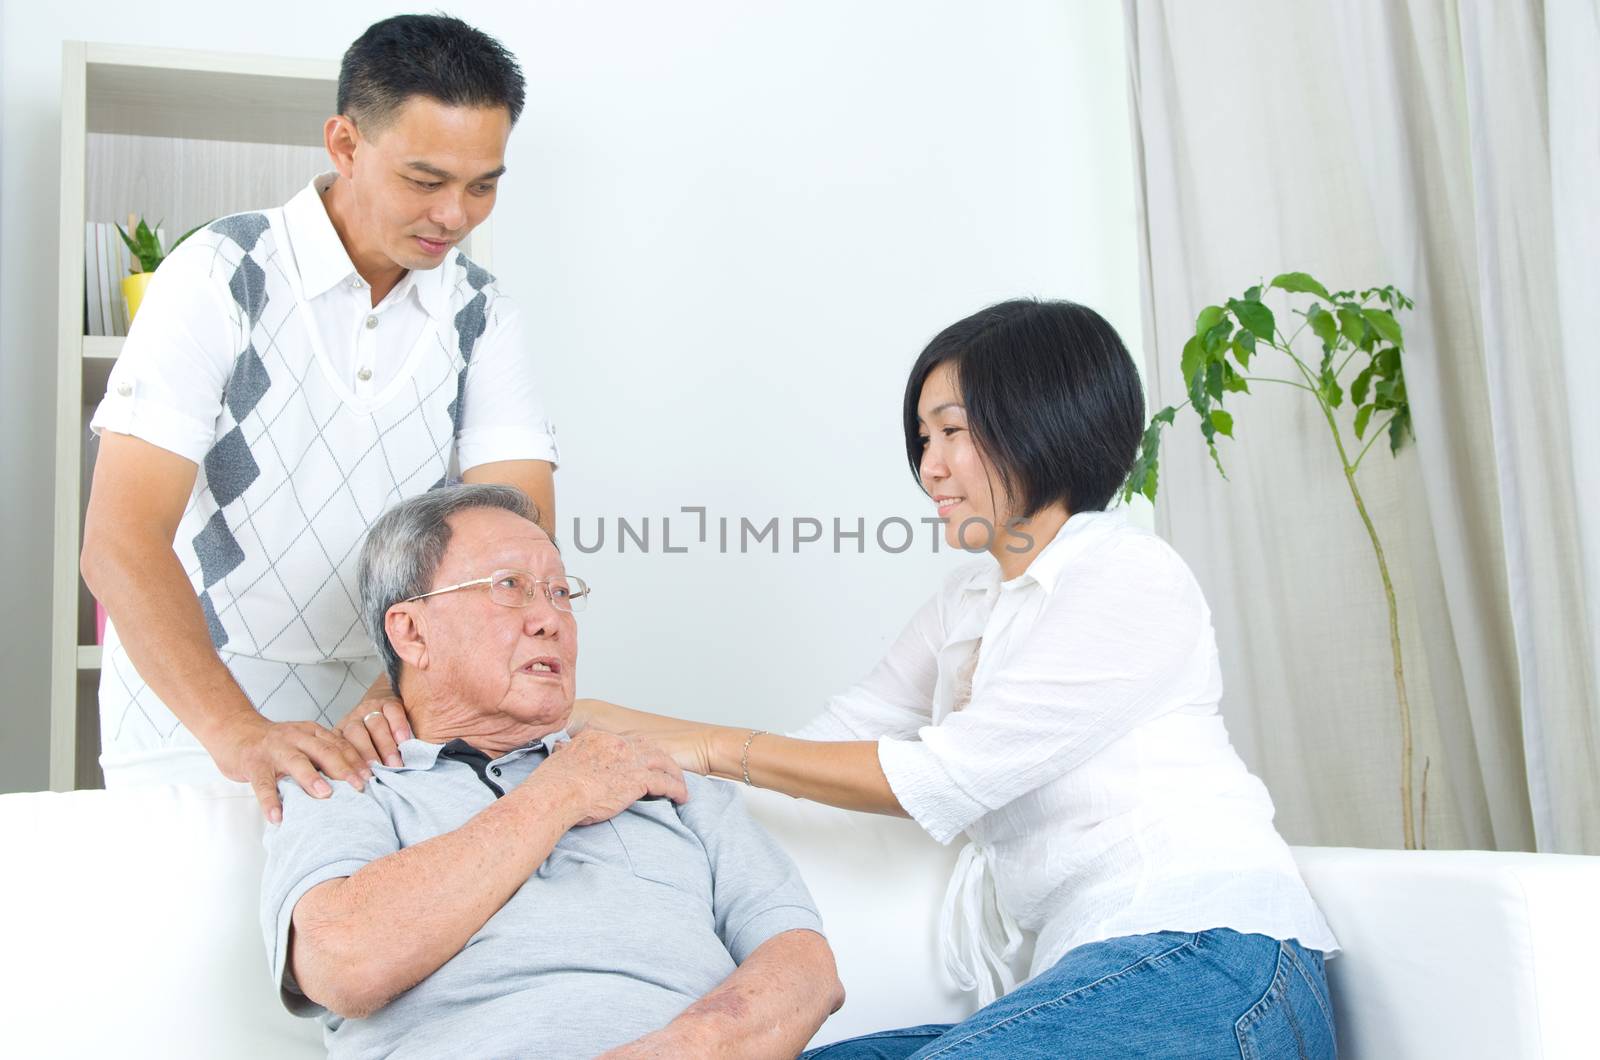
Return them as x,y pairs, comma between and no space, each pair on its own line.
421,755
324,264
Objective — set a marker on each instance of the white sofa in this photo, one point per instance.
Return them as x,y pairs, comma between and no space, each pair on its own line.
131,931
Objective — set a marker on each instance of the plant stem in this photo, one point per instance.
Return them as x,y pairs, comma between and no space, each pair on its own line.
1375,436
1394,646
1407,819
1423,839
1285,382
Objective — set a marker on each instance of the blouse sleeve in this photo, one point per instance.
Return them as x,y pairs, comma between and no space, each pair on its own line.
1127,641
896,698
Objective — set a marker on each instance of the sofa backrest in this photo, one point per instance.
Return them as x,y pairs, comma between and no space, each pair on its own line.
132,932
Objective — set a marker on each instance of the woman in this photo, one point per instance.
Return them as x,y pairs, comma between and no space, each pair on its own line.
1058,704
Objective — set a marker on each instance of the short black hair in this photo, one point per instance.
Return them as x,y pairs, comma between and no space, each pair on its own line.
1053,401
436,56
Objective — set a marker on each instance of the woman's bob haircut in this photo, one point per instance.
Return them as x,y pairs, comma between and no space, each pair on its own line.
1052,397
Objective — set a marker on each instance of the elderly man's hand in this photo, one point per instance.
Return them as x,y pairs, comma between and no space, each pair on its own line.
688,742
604,774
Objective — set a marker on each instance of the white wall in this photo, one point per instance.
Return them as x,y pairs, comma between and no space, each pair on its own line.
733,226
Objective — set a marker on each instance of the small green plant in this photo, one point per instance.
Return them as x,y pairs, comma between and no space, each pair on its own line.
1350,326
146,247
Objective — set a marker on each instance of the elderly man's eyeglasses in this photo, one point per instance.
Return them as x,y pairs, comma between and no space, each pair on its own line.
518,588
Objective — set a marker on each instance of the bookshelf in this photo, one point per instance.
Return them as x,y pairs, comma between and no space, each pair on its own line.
179,136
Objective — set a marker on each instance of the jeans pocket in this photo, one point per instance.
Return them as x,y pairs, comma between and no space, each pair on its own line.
1292,1020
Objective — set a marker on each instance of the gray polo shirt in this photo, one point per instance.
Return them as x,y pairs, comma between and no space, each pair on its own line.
625,924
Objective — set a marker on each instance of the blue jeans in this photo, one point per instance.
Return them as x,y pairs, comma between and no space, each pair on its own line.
1169,994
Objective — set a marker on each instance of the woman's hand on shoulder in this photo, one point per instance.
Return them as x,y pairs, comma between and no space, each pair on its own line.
594,714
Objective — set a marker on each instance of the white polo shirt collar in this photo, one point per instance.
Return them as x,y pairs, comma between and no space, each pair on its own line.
324,264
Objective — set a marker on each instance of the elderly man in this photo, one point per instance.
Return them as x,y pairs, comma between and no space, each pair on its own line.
507,891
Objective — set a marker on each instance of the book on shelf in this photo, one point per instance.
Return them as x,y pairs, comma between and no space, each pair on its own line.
94,320
103,281
117,261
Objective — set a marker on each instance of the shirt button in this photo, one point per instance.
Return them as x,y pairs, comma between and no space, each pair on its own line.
495,770
124,389
372,322
355,282
364,374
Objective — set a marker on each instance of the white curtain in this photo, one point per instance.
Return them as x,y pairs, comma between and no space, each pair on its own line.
1451,149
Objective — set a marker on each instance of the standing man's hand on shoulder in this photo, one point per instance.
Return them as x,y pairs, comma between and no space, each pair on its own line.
378,725
249,748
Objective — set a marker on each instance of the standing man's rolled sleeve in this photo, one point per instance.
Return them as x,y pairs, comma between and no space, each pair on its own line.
757,892
504,417
319,840
167,385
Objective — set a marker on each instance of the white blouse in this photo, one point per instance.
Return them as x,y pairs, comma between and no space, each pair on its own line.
1091,769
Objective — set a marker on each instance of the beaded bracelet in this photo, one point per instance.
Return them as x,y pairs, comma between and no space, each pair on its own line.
744,757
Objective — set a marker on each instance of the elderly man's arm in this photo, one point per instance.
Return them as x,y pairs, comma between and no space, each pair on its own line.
769,1007
357,942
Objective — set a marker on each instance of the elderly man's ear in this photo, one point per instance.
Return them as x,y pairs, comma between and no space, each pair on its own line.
407,636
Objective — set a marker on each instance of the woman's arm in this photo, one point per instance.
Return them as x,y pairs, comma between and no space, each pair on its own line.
839,764
843,773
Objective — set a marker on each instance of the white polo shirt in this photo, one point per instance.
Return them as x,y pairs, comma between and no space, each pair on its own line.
257,354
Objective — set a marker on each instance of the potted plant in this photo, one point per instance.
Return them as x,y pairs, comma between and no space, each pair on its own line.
1349,326
145,246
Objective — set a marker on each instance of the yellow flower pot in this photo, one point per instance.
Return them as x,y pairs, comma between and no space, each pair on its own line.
133,286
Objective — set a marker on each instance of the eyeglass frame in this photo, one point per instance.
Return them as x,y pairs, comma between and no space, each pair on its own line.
492,577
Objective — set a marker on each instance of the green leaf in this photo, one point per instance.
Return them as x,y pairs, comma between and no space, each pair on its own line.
1222,421
1253,294
1332,392
1232,381
1194,358
1199,398
133,248
1215,341
1359,387
1253,316
1244,346
1384,323
1209,317
1143,478
1354,327
1299,283
1399,427
1363,414
1322,323
1214,379
1149,485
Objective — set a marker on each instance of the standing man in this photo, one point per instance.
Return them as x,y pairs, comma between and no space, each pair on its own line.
293,373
